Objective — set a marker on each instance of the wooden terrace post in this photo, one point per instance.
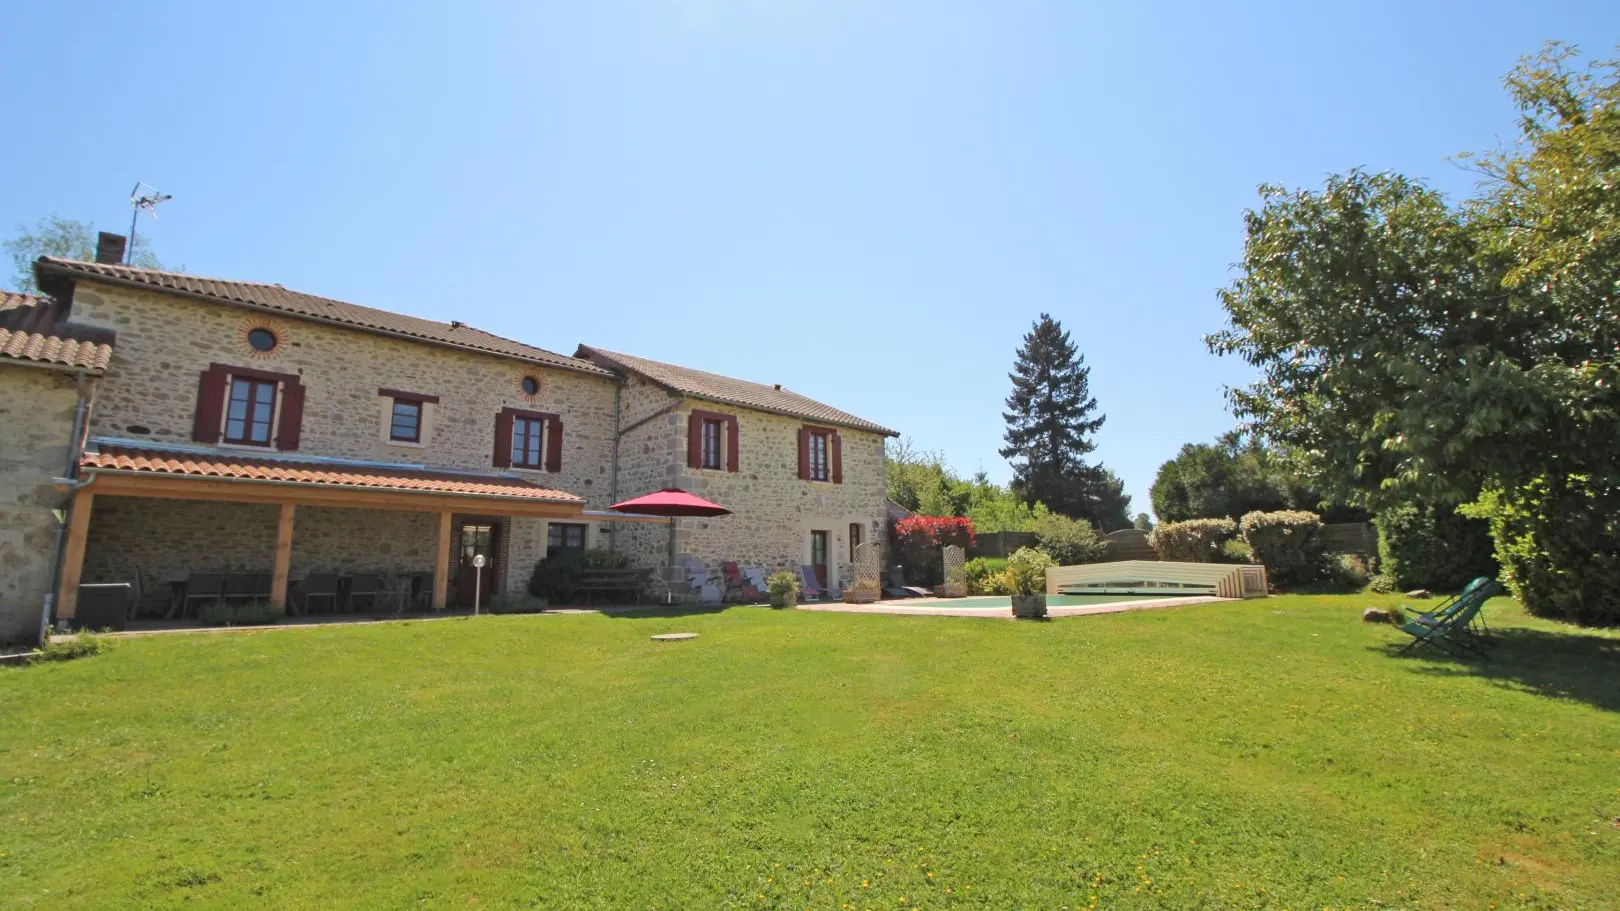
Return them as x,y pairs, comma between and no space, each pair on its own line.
284,536
78,530
441,564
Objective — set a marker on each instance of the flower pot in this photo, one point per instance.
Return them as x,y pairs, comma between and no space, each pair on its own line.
1029,607
860,595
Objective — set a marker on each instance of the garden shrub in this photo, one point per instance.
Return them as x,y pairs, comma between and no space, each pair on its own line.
980,569
82,645
1382,584
1068,541
1347,571
1288,543
232,613
1237,550
1558,543
556,579
1026,570
1427,546
1193,541
917,541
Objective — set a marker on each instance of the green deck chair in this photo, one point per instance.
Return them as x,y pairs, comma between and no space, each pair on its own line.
1456,627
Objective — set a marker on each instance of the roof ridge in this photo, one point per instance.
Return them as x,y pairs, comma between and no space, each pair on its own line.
191,275
775,387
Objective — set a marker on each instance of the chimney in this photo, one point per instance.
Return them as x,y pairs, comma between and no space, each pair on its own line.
110,248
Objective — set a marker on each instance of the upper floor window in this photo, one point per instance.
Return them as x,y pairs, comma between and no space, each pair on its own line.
821,455
711,441
405,425
819,459
713,432
528,439
251,411
406,415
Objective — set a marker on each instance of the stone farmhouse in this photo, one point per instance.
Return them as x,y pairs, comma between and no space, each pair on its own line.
159,424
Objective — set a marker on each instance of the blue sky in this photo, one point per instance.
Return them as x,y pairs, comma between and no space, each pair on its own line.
867,202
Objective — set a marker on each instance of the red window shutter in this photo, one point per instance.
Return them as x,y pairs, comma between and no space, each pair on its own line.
553,444
503,439
694,440
292,415
836,447
804,453
732,461
205,425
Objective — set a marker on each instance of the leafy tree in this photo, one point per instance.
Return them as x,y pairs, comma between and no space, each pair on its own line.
1411,351
54,235
1209,481
1143,522
1050,423
1108,505
920,481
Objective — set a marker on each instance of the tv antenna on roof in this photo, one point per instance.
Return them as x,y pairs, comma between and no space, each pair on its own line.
139,201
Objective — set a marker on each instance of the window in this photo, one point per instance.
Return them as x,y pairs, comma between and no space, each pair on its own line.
818,455
712,431
250,412
528,437
262,340
405,425
531,385
564,537
854,540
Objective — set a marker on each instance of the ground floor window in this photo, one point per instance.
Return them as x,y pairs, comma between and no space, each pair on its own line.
561,536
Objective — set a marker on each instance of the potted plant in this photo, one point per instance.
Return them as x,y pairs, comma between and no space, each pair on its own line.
861,593
1027,568
783,587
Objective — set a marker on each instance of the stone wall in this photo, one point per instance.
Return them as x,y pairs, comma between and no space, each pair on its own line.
773,511
36,429
163,537
164,344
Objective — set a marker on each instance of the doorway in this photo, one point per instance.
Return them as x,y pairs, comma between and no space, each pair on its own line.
818,556
475,538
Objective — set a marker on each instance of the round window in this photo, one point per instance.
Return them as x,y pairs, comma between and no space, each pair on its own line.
261,339
531,386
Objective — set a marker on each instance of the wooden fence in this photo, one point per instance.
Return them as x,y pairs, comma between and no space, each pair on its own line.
1127,544
1000,543
1350,538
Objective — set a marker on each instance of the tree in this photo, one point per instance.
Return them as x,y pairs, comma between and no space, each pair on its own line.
922,482
1050,423
1412,351
1143,522
54,235
1207,481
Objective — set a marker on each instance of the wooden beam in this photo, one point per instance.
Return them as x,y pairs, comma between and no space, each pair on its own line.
187,488
284,538
78,531
441,564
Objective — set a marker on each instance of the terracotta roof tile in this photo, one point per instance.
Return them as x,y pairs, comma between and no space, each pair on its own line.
281,300
111,457
714,387
33,329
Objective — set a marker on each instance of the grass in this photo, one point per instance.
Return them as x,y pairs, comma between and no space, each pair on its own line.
1269,754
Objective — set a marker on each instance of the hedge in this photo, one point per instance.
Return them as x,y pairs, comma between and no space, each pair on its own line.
1428,546
1288,543
1193,541
1068,541
1558,542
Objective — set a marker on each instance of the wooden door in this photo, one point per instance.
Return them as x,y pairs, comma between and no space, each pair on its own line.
818,556
476,537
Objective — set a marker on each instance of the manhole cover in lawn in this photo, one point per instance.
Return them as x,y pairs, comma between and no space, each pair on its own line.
673,637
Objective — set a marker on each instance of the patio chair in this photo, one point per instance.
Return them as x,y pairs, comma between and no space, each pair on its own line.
756,577
1459,601
1453,631
898,588
810,586
202,587
317,586
737,585
244,587
368,586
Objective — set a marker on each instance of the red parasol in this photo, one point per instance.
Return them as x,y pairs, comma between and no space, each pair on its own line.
671,502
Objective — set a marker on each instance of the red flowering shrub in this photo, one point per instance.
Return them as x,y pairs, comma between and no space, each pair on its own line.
917,542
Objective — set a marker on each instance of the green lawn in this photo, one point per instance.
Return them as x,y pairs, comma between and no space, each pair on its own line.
1268,754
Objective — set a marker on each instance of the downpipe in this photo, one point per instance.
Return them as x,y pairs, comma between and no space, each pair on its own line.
73,483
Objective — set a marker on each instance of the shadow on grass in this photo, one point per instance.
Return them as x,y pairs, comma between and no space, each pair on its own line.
1548,663
665,611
